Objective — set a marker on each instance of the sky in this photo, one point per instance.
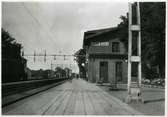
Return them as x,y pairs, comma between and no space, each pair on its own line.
57,27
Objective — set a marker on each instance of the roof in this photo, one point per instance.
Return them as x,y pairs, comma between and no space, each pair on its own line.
99,32
94,33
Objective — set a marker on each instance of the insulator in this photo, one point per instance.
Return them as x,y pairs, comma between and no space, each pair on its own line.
64,57
45,56
34,56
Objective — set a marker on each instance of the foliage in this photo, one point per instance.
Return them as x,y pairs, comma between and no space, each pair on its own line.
123,30
13,64
10,49
153,34
80,57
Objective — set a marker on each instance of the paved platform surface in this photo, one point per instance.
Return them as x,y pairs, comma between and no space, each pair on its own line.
154,99
71,98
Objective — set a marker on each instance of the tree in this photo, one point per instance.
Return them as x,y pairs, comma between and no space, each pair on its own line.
153,34
12,62
80,57
123,30
10,49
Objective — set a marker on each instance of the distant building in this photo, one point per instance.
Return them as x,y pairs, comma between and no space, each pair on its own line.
51,74
68,72
106,56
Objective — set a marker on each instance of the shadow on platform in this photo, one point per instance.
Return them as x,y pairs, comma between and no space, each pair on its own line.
155,100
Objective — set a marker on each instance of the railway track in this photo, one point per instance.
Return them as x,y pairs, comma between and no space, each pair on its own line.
18,87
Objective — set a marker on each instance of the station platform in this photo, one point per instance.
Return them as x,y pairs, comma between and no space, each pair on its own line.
76,97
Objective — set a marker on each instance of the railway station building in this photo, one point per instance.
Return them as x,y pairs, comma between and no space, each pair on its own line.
106,56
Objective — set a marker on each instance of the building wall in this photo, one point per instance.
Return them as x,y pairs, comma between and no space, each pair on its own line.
94,70
106,49
94,63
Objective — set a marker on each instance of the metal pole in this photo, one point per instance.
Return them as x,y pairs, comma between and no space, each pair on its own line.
129,47
139,44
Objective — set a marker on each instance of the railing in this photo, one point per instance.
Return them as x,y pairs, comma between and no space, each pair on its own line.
16,87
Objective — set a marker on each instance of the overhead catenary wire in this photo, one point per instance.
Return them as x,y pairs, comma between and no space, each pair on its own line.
54,55
64,56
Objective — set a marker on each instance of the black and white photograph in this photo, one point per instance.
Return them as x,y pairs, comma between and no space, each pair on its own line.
83,57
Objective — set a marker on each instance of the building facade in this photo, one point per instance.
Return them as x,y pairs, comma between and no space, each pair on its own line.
106,56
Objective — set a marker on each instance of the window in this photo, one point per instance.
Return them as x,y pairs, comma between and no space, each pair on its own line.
106,43
115,47
95,43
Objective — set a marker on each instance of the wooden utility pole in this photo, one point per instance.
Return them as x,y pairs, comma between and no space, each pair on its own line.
134,88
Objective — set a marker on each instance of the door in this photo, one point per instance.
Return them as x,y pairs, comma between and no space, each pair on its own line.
104,71
118,71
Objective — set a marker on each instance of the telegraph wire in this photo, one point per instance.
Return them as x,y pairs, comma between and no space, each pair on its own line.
50,34
32,16
29,12
37,21
39,25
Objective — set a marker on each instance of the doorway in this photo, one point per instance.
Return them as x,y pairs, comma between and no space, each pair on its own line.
118,71
104,71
